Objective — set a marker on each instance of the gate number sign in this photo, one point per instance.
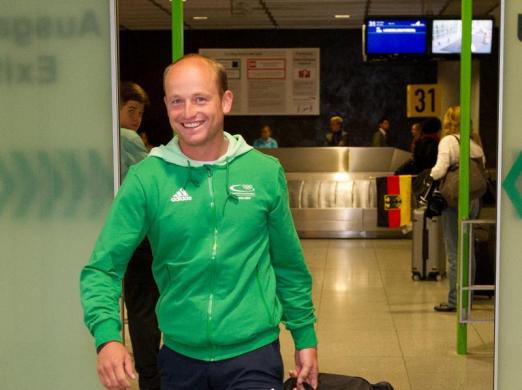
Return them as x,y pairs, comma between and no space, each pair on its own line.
423,100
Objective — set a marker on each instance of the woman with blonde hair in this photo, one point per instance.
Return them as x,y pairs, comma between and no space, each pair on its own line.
447,156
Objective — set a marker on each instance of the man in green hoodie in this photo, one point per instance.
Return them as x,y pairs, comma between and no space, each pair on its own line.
227,259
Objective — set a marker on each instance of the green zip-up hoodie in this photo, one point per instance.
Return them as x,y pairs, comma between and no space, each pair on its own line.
227,259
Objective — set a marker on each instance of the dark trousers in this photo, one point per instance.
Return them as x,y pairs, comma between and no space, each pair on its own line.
141,295
261,369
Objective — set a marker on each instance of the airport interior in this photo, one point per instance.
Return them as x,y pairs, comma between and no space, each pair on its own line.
295,67
374,321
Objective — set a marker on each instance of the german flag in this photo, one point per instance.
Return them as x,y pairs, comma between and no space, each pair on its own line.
393,201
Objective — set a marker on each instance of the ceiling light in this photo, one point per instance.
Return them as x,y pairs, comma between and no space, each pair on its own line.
342,16
200,17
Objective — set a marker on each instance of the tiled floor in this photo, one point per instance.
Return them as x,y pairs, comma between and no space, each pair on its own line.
375,321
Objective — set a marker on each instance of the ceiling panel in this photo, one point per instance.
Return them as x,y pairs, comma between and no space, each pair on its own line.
406,7
480,7
268,14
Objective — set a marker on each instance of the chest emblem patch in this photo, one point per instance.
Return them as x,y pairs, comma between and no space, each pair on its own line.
243,191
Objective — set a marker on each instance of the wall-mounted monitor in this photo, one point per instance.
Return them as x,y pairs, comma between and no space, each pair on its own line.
446,36
395,36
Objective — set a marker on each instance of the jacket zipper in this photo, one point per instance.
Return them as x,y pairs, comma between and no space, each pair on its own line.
210,306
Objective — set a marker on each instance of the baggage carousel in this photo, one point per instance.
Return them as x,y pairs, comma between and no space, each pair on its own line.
332,189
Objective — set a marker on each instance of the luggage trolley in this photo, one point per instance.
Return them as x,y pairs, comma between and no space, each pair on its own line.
465,312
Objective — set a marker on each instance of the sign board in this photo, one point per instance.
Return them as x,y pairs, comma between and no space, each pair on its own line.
423,100
271,81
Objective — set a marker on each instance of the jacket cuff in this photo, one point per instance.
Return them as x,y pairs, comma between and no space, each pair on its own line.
304,337
109,330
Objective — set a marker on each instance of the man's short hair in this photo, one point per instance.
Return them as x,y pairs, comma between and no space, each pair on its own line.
129,90
336,119
219,70
384,118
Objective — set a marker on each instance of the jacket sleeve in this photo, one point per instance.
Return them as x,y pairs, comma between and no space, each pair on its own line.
132,152
377,139
100,280
443,158
294,282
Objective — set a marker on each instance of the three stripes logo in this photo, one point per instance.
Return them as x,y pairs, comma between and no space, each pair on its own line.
181,196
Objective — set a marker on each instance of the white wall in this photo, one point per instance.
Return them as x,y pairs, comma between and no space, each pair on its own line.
448,77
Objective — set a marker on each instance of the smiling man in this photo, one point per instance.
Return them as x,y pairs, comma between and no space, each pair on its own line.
227,259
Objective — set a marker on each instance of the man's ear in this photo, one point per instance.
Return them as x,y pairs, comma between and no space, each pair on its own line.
226,101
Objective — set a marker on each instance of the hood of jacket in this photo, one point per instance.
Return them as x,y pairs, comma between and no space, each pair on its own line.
173,154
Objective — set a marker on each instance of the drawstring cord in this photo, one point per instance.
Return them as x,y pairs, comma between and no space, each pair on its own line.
190,178
230,195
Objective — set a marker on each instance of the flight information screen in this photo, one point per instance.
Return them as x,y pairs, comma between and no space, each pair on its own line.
396,36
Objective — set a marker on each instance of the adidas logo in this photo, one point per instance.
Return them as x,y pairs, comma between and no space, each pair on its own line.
181,196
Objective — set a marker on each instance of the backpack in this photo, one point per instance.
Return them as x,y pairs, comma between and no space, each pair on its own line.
341,382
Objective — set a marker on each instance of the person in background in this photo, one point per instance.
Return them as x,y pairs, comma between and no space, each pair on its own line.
140,290
266,140
227,258
448,155
336,136
426,148
133,100
380,137
415,134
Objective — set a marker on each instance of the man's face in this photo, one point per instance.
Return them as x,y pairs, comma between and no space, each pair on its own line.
265,133
131,114
194,107
335,126
415,130
385,125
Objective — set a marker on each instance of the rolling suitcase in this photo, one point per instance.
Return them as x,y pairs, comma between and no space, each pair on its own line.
341,382
428,259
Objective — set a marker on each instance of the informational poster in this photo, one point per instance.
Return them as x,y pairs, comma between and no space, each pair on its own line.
271,81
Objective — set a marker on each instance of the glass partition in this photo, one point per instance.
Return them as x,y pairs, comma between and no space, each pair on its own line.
57,62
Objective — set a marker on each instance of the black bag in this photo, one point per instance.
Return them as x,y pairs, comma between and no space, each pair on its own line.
436,204
449,185
341,382
422,186
425,193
